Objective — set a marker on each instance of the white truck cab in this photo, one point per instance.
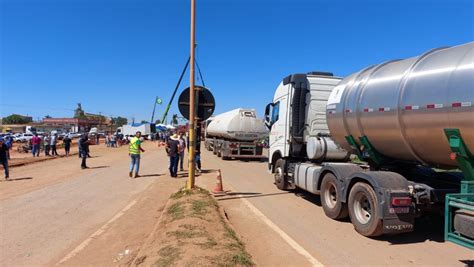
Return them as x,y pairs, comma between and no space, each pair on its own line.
291,124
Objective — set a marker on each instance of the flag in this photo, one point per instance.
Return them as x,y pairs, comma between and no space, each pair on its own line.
159,101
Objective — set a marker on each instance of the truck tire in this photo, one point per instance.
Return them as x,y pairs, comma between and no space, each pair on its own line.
281,180
464,223
330,198
363,206
219,153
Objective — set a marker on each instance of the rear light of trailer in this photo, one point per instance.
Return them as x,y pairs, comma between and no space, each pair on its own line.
233,145
401,201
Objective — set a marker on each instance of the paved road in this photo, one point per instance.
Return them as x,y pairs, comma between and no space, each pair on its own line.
53,206
300,216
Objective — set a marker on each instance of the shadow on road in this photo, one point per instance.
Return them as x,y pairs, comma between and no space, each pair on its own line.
469,263
99,167
17,179
246,195
429,227
151,175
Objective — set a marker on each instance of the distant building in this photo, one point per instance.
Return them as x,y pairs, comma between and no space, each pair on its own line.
71,124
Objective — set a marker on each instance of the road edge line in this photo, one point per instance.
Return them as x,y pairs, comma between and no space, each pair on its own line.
282,234
155,228
102,229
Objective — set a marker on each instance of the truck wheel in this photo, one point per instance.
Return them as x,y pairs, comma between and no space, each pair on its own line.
281,180
363,208
219,154
214,151
330,198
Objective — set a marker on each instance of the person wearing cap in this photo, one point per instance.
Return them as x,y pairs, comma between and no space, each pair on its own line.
172,148
135,148
4,153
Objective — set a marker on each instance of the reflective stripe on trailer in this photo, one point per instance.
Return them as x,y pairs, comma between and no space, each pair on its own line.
461,104
430,106
384,109
414,107
368,110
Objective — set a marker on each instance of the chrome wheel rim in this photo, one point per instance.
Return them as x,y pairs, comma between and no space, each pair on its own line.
362,208
278,175
330,196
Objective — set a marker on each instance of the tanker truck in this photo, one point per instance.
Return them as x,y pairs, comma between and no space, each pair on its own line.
383,146
235,134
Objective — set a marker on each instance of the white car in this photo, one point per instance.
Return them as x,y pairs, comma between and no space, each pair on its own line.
23,138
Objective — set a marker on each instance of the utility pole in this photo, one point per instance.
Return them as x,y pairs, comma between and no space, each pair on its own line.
153,114
192,109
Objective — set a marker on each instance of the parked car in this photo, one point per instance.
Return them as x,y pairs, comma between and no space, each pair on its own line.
22,138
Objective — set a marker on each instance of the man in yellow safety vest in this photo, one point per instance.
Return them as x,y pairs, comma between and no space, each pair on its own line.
134,151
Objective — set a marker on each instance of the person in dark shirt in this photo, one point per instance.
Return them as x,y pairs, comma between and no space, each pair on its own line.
67,145
172,148
4,155
84,150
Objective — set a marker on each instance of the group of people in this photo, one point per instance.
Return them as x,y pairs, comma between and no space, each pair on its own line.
50,143
175,147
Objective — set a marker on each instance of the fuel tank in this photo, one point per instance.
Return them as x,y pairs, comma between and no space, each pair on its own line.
403,106
238,124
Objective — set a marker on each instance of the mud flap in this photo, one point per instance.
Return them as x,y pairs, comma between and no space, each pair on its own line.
393,226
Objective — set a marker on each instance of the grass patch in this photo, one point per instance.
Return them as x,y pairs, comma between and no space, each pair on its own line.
210,243
168,256
186,234
242,258
176,211
199,207
184,192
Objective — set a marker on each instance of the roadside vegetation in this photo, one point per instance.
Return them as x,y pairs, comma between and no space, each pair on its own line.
192,232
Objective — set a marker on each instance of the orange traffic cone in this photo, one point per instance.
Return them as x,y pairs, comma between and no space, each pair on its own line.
219,188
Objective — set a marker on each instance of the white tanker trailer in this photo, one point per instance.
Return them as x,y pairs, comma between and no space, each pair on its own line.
411,121
235,134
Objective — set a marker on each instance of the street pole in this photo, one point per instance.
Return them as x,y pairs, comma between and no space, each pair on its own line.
192,116
153,114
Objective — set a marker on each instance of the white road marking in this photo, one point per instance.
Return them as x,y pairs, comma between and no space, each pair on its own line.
282,234
96,233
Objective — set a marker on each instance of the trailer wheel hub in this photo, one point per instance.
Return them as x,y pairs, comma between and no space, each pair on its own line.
362,208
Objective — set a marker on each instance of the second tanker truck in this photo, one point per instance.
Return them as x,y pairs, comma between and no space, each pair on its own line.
235,134
410,123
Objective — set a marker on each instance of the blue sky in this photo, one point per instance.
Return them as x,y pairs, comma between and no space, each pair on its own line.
115,56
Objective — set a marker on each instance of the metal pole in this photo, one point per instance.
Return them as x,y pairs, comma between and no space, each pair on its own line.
174,92
153,114
192,137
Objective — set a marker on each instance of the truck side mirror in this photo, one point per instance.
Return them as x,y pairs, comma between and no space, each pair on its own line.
268,121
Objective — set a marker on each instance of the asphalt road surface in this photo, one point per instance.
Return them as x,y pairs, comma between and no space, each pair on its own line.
51,207
300,215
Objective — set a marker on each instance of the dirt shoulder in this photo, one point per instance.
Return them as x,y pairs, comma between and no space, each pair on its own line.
192,231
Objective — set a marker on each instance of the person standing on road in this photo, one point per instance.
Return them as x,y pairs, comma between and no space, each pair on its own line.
135,148
182,148
9,142
47,144
172,148
84,150
67,144
35,145
4,153
54,141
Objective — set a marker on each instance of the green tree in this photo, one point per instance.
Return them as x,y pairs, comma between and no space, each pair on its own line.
16,119
143,122
119,121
